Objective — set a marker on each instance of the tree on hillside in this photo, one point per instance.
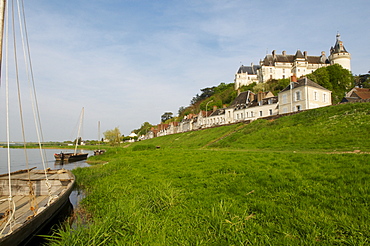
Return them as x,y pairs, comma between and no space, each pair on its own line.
114,136
335,78
166,116
247,87
145,127
363,80
181,110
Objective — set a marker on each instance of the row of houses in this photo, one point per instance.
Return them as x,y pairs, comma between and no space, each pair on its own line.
302,94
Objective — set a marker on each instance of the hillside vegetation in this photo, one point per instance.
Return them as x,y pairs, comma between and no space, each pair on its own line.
297,180
340,127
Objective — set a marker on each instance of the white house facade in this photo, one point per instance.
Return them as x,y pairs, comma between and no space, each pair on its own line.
303,94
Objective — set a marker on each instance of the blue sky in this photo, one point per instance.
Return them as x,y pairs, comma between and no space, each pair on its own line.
129,61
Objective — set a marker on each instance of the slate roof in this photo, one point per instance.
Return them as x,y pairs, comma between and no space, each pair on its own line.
338,46
270,60
219,111
249,69
242,98
302,82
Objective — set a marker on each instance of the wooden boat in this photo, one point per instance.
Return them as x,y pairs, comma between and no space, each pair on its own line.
73,156
22,214
29,198
70,157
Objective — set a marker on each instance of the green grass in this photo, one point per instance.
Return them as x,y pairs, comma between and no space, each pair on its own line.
212,191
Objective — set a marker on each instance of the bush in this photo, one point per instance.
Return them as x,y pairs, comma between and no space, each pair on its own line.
143,147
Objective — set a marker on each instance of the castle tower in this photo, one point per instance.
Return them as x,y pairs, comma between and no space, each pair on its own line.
339,55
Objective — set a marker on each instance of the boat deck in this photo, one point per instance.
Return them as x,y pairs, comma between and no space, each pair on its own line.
60,181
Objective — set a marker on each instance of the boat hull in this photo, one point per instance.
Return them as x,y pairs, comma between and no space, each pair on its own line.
30,225
70,157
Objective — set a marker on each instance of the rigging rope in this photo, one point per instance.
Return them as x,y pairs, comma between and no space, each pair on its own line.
32,87
9,218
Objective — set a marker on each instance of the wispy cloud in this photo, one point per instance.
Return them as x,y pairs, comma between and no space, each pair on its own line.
128,62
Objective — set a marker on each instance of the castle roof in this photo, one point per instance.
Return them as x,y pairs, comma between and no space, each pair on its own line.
270,60
248,69
338,47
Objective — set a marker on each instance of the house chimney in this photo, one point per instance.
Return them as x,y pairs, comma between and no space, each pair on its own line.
284,53
224,106
305,54
238,92
274,53
214,108
293,78
260,96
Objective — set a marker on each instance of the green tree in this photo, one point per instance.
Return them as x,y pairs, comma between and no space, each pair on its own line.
181,110
334,78
363,80
145,127
114,136
166,116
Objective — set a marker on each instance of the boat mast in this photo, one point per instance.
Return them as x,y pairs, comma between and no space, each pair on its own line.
79,129
2,18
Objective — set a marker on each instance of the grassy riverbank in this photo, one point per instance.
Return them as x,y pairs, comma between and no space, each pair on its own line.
298,180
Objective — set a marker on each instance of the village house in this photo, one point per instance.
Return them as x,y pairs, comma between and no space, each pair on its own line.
303,94
357,94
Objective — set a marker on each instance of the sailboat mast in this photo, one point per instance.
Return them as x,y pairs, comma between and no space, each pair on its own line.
79,128
2,18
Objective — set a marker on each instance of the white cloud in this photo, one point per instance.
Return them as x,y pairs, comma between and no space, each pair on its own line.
128,62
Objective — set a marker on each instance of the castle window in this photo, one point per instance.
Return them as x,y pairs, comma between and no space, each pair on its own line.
298,107
283,70
324,97
283,76
260,113
270,111
315,95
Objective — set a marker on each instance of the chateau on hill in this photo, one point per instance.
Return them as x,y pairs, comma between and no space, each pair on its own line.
301,94
281,66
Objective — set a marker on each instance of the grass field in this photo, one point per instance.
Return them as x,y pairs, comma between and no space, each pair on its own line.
292,181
